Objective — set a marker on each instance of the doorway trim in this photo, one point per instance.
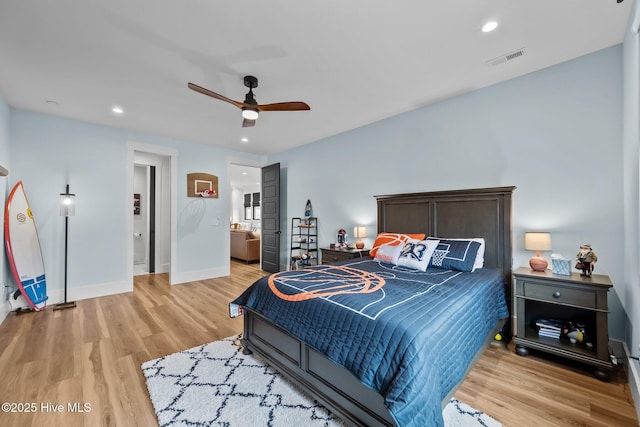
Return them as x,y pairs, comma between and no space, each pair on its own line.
172,153
240,161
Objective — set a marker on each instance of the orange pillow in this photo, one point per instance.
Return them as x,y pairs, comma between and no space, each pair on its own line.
419,236
392,239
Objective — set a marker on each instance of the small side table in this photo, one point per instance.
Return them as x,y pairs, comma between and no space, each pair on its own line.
329,256
544,295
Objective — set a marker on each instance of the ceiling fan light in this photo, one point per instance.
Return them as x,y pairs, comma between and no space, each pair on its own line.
249,113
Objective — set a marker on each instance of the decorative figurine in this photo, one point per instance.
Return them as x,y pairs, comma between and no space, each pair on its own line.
586,260
342,238
576,333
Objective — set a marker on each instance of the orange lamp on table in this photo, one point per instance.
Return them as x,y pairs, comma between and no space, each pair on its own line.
359,232
537,242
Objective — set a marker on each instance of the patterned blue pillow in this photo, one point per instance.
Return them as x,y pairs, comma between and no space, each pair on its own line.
455,254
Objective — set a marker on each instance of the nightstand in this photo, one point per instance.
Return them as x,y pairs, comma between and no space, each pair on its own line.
329,256
544,295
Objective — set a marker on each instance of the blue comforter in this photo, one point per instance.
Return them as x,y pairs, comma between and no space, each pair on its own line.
407,334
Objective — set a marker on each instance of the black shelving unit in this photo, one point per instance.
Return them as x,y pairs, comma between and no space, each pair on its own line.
304,242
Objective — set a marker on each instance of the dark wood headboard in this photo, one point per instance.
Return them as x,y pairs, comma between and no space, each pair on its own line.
482,212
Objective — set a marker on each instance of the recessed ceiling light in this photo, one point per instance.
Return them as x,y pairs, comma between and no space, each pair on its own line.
245,139
117,110
489,26
244,173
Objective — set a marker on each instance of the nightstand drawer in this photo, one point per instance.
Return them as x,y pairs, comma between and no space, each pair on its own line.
329,256
335,256
561,295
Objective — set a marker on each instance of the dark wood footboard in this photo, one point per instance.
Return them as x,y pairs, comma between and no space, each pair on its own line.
330,384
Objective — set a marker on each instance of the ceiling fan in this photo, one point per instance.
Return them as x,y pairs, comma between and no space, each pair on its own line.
250,107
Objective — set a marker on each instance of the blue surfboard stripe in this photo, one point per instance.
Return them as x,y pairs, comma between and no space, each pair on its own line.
36,289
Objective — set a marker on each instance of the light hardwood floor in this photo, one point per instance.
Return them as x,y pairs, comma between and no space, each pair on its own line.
92,355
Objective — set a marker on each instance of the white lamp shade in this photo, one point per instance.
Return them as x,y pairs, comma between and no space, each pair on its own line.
360,231
537,241
67,204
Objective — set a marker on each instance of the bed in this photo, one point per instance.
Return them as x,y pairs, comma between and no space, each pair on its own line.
395,351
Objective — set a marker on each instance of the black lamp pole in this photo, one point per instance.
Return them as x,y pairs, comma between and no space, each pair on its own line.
65,304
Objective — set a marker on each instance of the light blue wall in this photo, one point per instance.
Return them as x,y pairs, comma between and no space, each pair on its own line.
4,132
630,289
48,152
5,162
555,134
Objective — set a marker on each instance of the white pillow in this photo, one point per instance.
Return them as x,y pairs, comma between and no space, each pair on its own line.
479,261
388,254
416,254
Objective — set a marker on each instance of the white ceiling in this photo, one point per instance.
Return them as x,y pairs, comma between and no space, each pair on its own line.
244,178
354,62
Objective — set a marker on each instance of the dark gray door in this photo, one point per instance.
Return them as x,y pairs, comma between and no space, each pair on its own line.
152,219
271,218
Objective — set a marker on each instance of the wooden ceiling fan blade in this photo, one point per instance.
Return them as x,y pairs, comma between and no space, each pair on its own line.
250,108
212,94
284,106
246,123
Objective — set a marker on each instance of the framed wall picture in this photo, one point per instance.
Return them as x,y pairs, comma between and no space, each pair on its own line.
136,203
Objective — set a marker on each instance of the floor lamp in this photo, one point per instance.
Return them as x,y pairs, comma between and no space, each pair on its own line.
67,209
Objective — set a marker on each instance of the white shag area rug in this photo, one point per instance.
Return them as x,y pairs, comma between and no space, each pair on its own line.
216,385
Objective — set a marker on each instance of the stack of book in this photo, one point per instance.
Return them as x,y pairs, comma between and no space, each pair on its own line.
551,328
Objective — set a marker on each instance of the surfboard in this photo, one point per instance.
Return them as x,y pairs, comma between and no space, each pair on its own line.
23,249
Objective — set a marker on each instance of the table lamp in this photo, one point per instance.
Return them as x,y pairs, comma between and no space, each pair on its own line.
360,231
537,242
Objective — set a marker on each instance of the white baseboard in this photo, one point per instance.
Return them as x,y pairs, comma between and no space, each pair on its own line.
76,294
100,290
5,309
192,276
162,268
633,376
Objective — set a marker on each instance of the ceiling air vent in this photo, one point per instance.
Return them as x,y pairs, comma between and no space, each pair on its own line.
506,57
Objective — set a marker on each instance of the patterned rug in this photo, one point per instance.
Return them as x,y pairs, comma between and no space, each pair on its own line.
215,384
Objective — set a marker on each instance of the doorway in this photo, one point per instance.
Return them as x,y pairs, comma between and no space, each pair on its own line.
151,210
244,207
144,219
245,182
251,182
